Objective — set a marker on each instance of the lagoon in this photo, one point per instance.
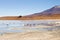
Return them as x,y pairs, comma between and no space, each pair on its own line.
18,25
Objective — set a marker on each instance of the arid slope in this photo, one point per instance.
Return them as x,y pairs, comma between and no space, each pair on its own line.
52,13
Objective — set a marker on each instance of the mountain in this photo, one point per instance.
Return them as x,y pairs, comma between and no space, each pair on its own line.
52,13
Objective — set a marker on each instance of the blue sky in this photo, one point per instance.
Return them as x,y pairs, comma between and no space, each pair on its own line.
25,7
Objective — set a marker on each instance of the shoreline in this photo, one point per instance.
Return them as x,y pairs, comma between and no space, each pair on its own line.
29,19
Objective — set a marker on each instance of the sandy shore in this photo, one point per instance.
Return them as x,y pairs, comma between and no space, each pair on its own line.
34,35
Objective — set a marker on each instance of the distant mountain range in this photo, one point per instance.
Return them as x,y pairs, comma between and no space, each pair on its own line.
52,13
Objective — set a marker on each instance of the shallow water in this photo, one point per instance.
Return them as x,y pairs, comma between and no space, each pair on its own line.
9,25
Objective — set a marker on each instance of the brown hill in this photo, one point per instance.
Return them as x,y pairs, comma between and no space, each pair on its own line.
52,13
56,16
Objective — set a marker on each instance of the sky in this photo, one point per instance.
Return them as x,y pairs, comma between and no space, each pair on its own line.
25,7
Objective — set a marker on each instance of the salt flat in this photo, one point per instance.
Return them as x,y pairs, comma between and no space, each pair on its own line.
34,35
